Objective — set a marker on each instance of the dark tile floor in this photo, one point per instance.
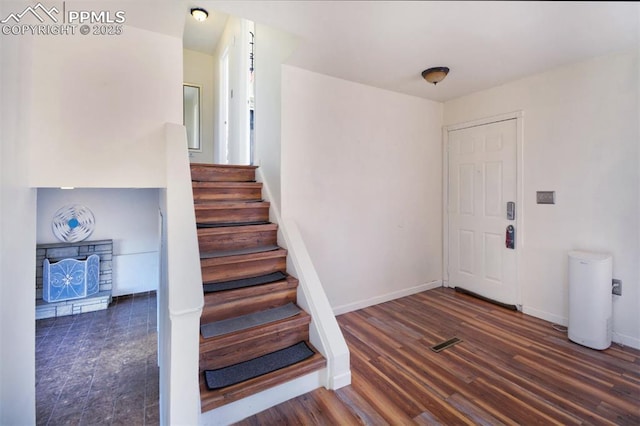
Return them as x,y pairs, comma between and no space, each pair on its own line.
99,368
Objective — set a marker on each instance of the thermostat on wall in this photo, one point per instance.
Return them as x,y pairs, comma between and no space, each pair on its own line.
546,197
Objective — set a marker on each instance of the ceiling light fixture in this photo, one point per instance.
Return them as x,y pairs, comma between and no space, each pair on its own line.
435,75
199,14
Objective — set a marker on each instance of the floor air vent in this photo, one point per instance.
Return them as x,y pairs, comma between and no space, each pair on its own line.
446,344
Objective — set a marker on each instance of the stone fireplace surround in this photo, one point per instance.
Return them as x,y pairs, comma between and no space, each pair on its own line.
78,250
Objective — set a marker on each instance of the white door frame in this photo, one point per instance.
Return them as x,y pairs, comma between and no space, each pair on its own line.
222,149
518,116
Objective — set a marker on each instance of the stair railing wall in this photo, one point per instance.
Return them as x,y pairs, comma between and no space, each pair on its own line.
180,296
324,331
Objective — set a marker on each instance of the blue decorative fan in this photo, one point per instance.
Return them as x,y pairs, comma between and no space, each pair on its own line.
73,223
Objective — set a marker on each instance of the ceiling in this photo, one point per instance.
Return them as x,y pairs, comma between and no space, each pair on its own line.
387,44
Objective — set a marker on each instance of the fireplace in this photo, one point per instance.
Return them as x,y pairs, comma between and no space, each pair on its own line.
79,275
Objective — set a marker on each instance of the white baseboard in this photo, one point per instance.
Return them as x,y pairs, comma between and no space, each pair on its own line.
247,407
349,307
625,340
622,339
547,316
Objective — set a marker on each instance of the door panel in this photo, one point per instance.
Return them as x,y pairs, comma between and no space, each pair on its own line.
482,179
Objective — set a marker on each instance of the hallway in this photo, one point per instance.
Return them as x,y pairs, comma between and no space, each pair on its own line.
99,368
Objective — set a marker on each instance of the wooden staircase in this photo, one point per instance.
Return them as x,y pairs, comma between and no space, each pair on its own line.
239,244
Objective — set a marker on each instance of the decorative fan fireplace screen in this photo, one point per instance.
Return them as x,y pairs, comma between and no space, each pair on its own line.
70,279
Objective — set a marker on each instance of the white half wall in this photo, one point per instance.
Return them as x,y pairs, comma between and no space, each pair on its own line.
199,70
362,177
98,108
129,217
581,139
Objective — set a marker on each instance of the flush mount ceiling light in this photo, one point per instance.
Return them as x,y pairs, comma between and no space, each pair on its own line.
435,75
199,14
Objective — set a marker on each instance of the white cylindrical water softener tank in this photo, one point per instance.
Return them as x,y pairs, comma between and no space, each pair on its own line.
590,299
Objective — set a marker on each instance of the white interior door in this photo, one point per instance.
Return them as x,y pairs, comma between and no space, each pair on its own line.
482,180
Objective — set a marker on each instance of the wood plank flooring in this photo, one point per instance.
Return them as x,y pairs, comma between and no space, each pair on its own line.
509,369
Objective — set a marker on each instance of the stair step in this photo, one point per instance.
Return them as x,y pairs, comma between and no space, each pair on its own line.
226,191
232,212
220,269
226,304
228,224
232,348
244,322
234,374
210,399
244,282
222,173
248,250
236,237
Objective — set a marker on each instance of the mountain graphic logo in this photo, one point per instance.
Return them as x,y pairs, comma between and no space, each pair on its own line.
39,11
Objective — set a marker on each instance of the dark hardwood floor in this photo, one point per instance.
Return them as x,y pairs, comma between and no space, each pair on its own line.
510,368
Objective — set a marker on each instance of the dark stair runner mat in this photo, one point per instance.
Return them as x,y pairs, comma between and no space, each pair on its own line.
244,282
250,250
229,200
243,322
227,224
233,374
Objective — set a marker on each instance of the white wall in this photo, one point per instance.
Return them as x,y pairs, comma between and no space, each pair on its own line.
129,217
273,47
17,240
98,108
361,175
199,70
581,139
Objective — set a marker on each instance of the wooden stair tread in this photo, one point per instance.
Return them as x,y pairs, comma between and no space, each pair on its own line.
236,229
266,296
234,212
224,296
216,398
232,348
240,336
200,200
279,252
216,172
236,237
226,184
237,252
220,269
217,191
224,205
224,166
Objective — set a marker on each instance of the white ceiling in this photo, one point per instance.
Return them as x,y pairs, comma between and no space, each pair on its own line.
387,44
